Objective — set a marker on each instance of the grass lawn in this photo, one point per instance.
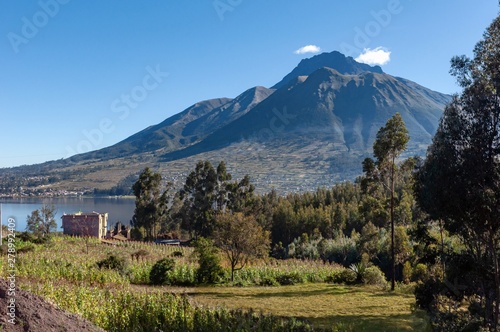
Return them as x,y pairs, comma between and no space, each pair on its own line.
360,307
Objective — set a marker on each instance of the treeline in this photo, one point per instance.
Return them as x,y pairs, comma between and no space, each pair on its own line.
345,224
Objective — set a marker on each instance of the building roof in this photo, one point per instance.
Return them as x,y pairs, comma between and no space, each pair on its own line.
119,237
80,213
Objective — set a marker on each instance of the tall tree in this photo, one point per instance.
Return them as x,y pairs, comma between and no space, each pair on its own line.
391,141
150,202
459,182
42,221
199,199
209,191
240,238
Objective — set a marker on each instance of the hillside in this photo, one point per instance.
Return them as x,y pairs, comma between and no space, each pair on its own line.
313,128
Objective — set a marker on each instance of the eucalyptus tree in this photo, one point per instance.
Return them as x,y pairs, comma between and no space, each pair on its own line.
150,202
459,182
390,142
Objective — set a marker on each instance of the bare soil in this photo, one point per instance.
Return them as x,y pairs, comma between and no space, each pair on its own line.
34,314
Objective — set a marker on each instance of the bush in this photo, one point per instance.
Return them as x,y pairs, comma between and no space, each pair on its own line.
26,237
359,268
407,272
342,250
210,270
344,276
114,262
374,276
420,273
141,253
290,279
159,274
177,254
425,293
304,248
278,251
26,248
268,281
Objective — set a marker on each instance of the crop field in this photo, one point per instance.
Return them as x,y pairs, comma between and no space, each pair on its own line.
65,272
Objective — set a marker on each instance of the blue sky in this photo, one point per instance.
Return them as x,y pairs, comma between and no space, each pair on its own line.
67,66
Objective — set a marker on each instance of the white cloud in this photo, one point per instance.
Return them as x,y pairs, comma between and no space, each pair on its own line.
308,49
378,56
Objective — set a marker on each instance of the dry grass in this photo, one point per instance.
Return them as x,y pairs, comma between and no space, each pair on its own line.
361,307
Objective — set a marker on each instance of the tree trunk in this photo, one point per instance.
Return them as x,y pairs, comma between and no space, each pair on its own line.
441,230
393,249
496,309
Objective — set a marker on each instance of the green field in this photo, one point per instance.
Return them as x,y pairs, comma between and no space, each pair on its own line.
67,276
362,308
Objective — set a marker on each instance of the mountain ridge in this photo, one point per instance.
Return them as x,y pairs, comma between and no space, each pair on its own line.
311,128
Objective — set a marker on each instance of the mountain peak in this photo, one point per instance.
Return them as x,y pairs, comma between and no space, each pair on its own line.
343,64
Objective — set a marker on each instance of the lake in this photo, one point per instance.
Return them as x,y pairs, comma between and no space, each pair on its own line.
118,209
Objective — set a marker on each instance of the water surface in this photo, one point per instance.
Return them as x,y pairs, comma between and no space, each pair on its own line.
118,209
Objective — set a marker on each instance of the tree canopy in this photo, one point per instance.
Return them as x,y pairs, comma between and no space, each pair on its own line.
41,222
151,202
459,182
391,141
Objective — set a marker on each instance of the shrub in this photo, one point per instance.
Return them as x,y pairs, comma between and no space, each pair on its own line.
420,273
359,268
290,279
344,276
26,248
141,253
159,274
374,276
304,248
268,281
407,272
26,237
342,250
210,270
114,262
425,293
278,251
177,254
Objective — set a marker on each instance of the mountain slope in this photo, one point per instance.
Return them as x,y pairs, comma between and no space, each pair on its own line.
346,110
185,128
313,128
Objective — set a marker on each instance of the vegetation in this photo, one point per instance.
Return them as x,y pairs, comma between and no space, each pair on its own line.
150,203
209,191
240,238
109,298
431,225
209,270
41,222
159,274
114,262
459,185
390,143
351,308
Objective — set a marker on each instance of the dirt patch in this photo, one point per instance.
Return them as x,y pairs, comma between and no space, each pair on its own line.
34,314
